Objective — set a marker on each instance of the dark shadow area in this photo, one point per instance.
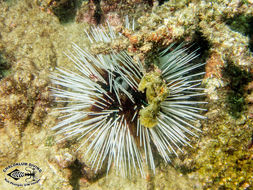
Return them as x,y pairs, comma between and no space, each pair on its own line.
238,79
4,67
76,169
244,25
81,171
150,2
200,43
66,11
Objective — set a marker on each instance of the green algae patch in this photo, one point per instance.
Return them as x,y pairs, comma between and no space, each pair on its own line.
156,92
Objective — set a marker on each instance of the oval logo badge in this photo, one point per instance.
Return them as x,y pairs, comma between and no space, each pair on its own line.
22,174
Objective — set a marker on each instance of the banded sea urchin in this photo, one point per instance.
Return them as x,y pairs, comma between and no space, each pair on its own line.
128,112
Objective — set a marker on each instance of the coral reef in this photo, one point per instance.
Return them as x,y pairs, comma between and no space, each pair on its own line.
32,41
98,11
173,21
24,98
24,95
223,159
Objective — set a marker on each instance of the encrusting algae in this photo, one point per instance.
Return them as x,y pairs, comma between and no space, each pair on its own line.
156,92
224,157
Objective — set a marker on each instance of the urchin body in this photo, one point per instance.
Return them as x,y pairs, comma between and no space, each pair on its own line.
127,112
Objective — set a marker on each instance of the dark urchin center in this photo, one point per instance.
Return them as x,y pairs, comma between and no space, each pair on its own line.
126,107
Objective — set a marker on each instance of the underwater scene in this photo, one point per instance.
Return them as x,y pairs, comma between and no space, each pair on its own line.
126,94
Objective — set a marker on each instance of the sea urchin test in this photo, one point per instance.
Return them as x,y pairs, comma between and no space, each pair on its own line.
124,112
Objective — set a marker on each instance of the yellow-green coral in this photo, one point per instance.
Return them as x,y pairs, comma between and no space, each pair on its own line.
224,156
156,92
